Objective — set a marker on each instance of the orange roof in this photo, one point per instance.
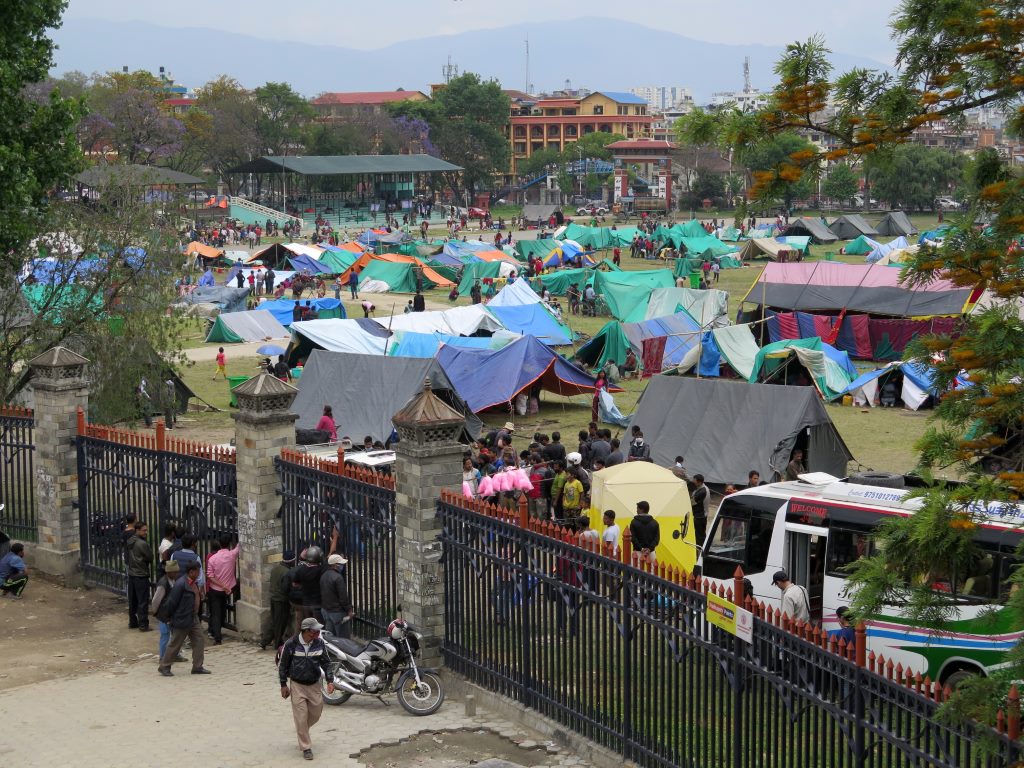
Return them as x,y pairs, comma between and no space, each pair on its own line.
428,273
495,256
352,246
206,251
367,97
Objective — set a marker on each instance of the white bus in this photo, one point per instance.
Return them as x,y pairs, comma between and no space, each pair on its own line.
814,527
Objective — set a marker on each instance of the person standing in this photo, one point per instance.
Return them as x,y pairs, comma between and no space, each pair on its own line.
610,536
572,495
303,660
13,571
615,456
796,467
221,580
475,293
268,282
334,598
645,532
222,365
353,283
700,502
161,593
795,602
599,384
280,613
327,424
337,288
170,404
140,560
181,611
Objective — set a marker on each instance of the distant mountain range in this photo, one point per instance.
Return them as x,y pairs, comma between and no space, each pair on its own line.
596,53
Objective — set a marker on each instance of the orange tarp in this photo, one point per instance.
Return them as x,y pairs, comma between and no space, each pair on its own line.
352,246
495,256
206,251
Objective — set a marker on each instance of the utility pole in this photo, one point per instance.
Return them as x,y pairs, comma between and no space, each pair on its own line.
526,85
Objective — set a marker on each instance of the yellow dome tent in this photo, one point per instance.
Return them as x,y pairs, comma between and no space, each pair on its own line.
619,488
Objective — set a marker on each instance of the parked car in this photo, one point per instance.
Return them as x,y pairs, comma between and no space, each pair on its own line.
592,209
199,195
947,204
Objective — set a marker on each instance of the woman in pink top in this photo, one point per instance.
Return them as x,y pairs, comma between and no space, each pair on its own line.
326,424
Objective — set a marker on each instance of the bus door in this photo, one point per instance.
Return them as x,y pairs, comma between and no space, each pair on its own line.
804,556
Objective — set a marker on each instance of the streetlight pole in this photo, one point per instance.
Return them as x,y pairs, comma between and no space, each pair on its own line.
580,169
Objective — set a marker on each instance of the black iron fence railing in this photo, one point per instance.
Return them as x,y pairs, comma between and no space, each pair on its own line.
159,479
621,652
324,498
17,478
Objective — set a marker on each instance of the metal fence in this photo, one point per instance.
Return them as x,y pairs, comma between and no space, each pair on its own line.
625,657
321,498
17,478
159,479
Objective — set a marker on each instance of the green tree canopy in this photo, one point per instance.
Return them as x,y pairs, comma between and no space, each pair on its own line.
911,176
840,184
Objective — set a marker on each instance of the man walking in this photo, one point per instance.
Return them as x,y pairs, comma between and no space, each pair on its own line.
335,601
13,571
181,611
162,592
353,283
795,603
303,660
140,560
220,582
280,609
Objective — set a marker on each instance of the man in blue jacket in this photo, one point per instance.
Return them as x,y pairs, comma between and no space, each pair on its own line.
181,610
303,660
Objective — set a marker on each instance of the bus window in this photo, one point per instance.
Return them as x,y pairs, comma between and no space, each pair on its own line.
741,535
845,546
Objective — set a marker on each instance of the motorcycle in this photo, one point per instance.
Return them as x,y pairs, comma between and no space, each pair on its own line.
383,666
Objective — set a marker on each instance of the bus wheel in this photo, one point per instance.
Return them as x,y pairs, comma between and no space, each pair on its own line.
954,677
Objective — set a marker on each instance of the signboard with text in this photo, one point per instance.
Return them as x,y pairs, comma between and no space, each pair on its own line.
730,618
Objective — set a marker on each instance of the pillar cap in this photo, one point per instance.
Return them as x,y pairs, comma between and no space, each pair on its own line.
58,363
428,419
264,394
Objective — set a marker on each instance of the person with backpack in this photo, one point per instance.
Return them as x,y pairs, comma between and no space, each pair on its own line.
162,592
795,602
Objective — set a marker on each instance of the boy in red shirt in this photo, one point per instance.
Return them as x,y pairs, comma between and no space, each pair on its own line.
222,364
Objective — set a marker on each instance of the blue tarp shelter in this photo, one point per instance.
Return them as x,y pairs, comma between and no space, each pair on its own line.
304,263
533,320
281,309
413,344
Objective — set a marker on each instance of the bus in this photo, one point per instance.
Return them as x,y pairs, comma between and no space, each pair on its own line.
814,527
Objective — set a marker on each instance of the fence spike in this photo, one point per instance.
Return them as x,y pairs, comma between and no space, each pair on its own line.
1013,717
889,667
1001,721
917,682
838,648
871,660
946,693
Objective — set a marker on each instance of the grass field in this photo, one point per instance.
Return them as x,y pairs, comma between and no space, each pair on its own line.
879,439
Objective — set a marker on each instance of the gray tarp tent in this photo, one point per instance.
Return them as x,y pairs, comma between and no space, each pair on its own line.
814,228
220,297
850,226
896,223
365,391
255,325
724,429
538,212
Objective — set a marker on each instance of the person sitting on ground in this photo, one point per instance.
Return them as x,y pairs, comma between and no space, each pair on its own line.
13,571
629,367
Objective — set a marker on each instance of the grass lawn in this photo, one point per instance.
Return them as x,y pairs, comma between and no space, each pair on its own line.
879,439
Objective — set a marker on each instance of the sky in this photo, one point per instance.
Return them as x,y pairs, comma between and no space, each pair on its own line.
850,27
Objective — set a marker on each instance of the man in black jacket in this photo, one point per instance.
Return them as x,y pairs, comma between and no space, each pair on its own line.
645,532
181,611
335,601
303,659
139,556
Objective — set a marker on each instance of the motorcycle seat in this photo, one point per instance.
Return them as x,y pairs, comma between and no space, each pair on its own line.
351,647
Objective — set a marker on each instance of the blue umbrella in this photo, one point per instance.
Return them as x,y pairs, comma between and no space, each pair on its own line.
270,349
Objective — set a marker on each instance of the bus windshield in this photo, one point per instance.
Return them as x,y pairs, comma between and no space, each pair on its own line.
741,536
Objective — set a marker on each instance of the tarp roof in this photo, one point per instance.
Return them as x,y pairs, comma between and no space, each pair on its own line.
341,165
533,320
206,251
807,225
614,340
538,212
458,321
628,293
365,391
849,226
304,263
896,223
764,247
224,298
727,428
256,325
281,309
708,307
861,246
831,369
134,175
871,288
487,378
541,248
514,294
885,249
412,344
338,335
558,282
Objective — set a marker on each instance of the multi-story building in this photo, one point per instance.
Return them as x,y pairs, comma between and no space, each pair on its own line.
539,123
745,100
663,98
342,106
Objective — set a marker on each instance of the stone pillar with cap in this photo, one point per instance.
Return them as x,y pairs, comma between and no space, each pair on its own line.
263,426
428,460
59,389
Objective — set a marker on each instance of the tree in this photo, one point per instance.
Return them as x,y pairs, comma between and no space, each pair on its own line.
222,126
911,176
774,176
281,116
952,57
37,146
840,184
537,163
467,120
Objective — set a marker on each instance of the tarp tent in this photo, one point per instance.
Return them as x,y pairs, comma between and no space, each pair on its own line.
800,243
487,378
628,293
887,249
515,294
813,228
305,263
765,248
680,331
830,368
862,245
483,270
384,276
222,298
916,385
236,327
338,260
540,248
281,309
412,344
533,320
850,226
896,223
558,282
365,391
468,320
335,336
833,286
727,428
539,212
709,307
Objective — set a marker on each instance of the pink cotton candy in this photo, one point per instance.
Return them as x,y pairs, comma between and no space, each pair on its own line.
467,489
486,487
523,480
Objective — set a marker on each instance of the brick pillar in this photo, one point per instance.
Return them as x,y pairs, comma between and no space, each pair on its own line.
263,426
429,460
59,389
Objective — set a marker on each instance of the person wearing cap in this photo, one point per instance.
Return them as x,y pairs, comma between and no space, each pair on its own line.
645,532
280,608
303,660
334,598
181,611
846,631
795,603
161,593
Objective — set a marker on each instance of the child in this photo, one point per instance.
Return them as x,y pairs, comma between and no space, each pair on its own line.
222,365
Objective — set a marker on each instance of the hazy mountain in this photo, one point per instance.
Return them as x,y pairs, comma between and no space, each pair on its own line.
601,54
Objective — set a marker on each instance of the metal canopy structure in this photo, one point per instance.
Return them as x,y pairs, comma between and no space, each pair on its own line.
135,176
345,165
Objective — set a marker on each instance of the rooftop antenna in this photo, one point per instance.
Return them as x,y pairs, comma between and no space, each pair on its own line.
527,84
449,70
746,74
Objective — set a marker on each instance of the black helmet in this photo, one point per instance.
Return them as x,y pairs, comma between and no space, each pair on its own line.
314,555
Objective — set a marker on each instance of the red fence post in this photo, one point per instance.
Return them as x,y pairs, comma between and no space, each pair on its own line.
737,586
81,421
861,635
161,435
1013,716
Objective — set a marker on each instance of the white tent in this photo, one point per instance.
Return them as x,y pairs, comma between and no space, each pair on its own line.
458,321
709,307
515,294
338,335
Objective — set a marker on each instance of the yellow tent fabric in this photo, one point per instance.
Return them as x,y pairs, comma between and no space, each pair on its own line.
619,488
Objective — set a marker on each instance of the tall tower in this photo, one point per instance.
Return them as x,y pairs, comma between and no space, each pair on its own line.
449,70
746,74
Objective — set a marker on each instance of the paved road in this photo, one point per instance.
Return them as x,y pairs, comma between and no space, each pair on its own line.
234,717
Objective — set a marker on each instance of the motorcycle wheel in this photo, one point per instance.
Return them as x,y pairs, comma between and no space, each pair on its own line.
338,697
423,699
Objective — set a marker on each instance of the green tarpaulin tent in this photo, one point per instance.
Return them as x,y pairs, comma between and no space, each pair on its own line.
627,293
339,261
558,282
862,246
830,376
732,235
478,270
624,235
400,276
615,345
54,300
540,248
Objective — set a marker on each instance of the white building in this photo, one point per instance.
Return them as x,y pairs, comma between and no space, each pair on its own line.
662,98
745,101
